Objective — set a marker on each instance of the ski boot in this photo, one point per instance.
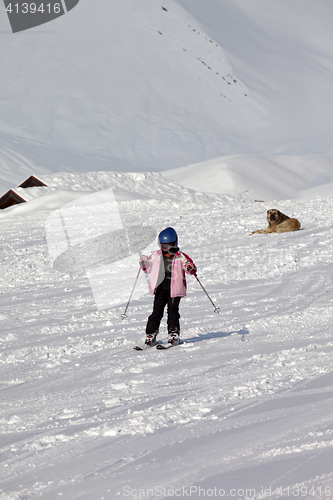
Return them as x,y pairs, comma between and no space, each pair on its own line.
151,338
173,336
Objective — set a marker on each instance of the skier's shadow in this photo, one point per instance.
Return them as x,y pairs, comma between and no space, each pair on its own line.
216,335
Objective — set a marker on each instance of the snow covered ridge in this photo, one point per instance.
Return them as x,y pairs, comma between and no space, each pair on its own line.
260,177
143,185
63,188
244,177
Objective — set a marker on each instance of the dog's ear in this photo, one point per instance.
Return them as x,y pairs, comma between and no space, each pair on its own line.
279,213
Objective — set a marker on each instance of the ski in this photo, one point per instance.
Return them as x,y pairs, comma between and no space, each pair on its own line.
158,345
168,345
143,347
146,346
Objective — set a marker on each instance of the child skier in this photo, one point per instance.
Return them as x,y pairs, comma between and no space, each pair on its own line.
167,267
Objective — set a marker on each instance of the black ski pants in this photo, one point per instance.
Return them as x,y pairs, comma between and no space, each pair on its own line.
162,298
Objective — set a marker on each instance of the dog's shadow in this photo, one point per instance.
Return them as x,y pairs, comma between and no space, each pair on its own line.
216,335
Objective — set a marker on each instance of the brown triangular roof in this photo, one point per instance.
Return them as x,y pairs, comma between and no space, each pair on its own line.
9,199
31,181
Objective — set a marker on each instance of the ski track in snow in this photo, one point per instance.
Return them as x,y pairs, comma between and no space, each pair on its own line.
245,402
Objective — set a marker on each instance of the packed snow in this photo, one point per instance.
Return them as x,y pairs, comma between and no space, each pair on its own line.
243,408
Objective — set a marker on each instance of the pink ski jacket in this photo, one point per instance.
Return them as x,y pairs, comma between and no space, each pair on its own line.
179,266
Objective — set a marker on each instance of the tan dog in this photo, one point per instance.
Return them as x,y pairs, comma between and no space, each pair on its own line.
279,223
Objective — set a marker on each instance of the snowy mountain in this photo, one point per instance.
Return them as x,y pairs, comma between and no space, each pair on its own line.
137,115
149,86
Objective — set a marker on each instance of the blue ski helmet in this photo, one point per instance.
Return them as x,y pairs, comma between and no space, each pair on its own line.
168,235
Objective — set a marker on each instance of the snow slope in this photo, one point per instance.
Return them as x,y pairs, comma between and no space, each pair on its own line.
243,408
260,176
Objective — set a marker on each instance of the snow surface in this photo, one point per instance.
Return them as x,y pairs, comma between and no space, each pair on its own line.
244,407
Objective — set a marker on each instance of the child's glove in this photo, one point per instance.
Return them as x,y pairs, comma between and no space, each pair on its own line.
191,268
143,260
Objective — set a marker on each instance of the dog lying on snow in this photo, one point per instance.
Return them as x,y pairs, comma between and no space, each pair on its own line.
279,223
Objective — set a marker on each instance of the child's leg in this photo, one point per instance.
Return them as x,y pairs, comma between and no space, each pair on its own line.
154,320
173,315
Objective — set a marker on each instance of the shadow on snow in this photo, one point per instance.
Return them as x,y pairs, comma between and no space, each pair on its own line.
215,335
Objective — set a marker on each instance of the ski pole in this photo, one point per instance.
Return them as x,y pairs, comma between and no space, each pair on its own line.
216,309
124,315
